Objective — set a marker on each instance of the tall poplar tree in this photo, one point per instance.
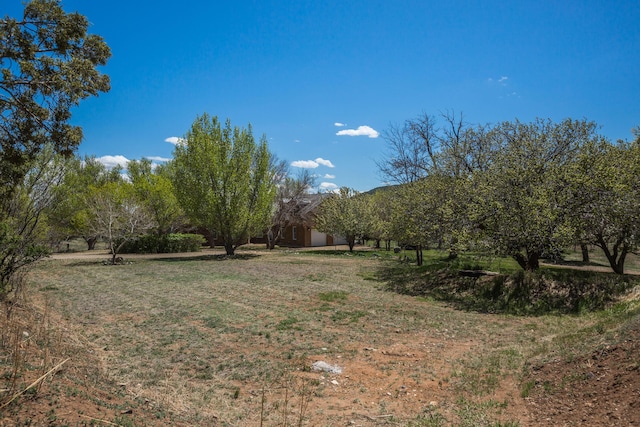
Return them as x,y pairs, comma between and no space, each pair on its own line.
224,180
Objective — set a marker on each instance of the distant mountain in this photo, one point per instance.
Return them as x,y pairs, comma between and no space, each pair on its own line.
382,188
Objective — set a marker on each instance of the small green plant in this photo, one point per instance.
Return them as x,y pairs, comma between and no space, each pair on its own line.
431,419
288,323
350,316
333,296
526,389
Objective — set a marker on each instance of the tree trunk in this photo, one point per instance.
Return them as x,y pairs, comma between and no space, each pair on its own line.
116,250
530,262
615,258
387,245
229,248
585,252
91,243
352,242
419,255
211,239
271,241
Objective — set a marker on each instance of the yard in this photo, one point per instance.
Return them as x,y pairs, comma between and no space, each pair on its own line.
210,340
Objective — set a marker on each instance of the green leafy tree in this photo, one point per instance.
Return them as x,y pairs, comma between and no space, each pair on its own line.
383,201
605,183
69,215
48,64
224,180
522,204
408,218
422,214
347,214
155,189
435,162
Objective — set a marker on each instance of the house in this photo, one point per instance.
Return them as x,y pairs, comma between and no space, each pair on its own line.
304,235
299,228
296,226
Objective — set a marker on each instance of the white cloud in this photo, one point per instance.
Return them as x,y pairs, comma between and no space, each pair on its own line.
175,140
361,131
112,161
312,164
338,124
306,164
158,159
502,81
327,186
324,162
329,176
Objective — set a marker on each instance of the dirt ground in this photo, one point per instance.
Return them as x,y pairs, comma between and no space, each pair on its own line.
596,390
602,389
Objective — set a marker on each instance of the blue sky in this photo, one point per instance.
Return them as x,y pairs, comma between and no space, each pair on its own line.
296,69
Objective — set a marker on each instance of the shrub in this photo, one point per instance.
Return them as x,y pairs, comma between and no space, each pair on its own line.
165,243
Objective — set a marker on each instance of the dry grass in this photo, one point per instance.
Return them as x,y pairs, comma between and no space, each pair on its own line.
219,341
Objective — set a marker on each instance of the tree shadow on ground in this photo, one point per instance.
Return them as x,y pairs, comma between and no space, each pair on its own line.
332,252
356,253
216,257
88,262
521,293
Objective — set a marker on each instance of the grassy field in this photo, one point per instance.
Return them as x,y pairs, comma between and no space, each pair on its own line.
211,340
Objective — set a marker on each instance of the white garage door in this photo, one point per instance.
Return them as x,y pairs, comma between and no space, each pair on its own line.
318,238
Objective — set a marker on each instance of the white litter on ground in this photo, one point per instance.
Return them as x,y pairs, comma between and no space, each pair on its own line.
325,367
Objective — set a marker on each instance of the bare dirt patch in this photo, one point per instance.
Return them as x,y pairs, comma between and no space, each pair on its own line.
599,389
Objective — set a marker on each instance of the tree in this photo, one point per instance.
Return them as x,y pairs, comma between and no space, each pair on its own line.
383,201
346,213
412,150
420,148
116,213
155,189
69,215
292,205
224,180
435,164
522,204
423,215
605,183
23,224
48,64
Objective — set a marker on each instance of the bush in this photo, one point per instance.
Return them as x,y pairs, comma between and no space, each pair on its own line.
163,244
